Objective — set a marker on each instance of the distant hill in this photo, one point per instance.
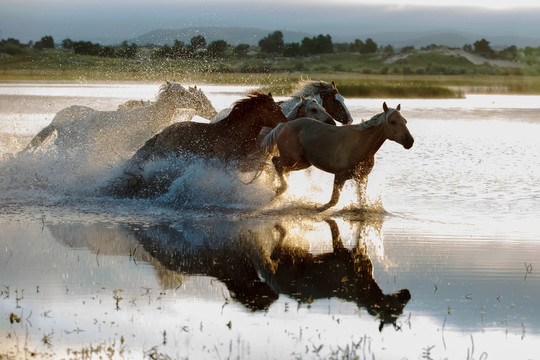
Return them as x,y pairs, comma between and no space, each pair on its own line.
232,35
251,36
448,38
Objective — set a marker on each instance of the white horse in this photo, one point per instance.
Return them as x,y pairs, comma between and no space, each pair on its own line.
196,97
124,131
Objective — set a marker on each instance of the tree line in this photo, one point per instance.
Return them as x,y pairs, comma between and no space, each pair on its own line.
271,45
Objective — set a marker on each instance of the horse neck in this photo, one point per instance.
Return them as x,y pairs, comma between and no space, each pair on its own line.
293,113
164,109
372,138
242,127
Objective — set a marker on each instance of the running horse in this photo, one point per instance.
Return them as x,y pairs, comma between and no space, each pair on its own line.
345,151
229,140
326,94
124,131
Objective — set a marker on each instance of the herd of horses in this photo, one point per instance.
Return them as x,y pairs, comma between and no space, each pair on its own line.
297,133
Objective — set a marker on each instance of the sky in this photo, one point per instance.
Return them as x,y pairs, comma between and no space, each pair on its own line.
115,20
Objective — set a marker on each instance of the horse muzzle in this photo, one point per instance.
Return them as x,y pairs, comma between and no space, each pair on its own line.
345,119
407,142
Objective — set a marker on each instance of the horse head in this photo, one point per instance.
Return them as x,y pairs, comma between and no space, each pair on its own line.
391,307
270,112
202,105
309,107
177,96
334,104
395,127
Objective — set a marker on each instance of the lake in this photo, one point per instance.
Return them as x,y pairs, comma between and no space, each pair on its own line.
215,269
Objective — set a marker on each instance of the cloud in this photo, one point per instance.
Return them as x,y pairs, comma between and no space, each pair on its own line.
111,21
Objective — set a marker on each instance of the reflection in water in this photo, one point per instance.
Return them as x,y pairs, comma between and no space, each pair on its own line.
343,273
256,261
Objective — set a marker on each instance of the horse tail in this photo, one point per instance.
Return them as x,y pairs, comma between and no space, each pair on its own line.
269,142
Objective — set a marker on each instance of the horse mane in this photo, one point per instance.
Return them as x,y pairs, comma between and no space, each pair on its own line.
293,113
375,120
308,87
164,90
245,106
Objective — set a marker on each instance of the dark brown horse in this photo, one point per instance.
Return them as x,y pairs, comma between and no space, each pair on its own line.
346,151
231,139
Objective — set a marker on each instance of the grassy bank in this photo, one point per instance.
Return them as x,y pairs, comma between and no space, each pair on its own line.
278,76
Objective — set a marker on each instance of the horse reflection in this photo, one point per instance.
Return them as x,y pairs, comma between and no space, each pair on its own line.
255,277
228,258
345,274
253,263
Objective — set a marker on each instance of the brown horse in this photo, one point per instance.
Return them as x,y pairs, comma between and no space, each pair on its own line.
346,151
231,139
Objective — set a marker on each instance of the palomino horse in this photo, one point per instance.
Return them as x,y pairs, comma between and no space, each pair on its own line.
304,107
231,139
346,151
124,131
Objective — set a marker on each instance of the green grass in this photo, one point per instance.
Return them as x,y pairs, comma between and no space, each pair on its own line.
356,75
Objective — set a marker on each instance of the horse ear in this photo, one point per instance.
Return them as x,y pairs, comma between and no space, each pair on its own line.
385,107
398,107
334,85
168,83
270,96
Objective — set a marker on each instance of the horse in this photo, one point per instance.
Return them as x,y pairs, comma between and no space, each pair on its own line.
324,93
124,131
342,273
308,106
195,99
345,151
231,139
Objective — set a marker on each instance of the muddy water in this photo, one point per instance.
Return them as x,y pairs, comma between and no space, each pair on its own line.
214,269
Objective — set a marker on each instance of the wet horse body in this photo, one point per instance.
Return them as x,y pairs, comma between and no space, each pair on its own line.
229,140
346,151
123,131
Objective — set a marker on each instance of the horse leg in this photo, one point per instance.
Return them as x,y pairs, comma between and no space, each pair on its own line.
286,165
339,181
278,165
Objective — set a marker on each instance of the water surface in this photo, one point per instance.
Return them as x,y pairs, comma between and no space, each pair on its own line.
214,269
